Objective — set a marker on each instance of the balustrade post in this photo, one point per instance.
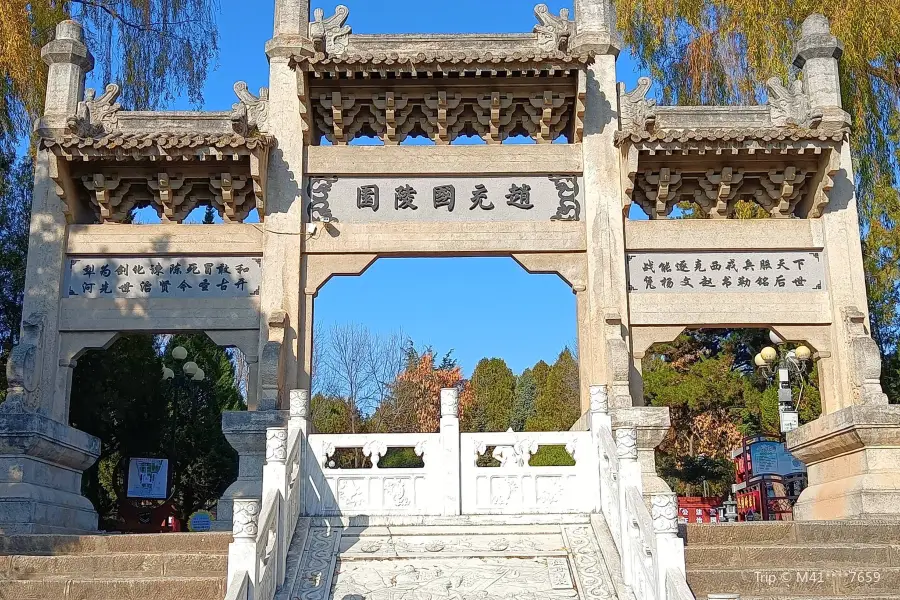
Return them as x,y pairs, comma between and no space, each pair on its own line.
299,412
276,480
600,421
669,547
629,476
242,550
449,458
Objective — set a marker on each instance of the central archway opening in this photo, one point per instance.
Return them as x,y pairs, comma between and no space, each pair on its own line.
386,342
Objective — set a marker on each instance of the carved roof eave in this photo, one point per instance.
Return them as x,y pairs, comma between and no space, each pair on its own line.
443,53
158,147
770,140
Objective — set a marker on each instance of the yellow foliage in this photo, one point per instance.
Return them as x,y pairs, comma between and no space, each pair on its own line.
25,26
722,51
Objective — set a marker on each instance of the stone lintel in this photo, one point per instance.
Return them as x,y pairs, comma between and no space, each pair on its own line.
165,239
724,234
496,159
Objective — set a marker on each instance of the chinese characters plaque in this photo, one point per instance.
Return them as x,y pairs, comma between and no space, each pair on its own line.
169,277
763,271
440,199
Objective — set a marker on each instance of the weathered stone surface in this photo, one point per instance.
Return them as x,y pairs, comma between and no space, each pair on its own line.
794,559
153,567
183,543
813,583
852,458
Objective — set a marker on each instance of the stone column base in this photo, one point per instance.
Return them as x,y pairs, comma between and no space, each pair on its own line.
652,424
853,461
246,432
41,463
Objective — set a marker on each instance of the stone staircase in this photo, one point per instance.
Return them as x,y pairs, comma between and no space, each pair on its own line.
173,566
792,560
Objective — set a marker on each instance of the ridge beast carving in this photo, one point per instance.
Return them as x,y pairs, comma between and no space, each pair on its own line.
248,116
330,35
553,31
788,105
96,117
637,112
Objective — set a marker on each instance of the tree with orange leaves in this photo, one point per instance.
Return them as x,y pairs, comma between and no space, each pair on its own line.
414,404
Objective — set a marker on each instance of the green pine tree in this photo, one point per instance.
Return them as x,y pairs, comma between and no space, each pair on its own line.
526,394
558,404
493,384
118,395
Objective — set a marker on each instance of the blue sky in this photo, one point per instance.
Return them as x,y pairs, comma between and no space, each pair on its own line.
478,307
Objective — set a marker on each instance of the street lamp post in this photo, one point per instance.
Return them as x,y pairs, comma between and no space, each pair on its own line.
788,364
181,381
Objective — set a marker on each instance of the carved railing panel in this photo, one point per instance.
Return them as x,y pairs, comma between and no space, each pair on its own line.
652,554
329,490
516,487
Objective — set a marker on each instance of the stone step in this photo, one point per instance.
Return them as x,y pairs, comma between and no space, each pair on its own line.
114,566
31,545
799,582
832,556
787,532
168,588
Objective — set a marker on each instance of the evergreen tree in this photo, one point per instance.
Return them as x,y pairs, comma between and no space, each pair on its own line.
526,394
558,403
493,386
331,414
715,397
16,183
118,395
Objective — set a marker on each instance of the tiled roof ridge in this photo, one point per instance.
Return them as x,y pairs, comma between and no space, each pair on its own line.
451,57
157,139
717,134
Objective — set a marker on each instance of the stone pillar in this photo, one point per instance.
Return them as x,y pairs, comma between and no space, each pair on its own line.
595,26
851,452
669,547
242,551
603,216
246,432
449,456
69,60
629,475
284,219
582,313
817,52
291,18
41,457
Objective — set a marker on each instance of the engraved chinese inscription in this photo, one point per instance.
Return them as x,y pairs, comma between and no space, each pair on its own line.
773,271
164,277
437,199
